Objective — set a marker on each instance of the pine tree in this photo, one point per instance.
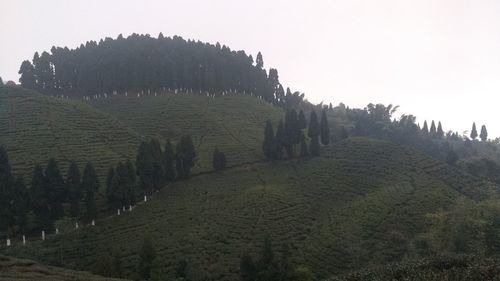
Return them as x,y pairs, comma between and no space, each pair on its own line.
1,82
20,204
7,192
433,130
169,158
280,140
440,132
313,130
57,191
304,152
324,129
90,185
186,156
40,199
314,147
131,183
218,160
158,167
269,145
146,259
425,129
145,167
473,133
74,188
484,134
110,193
302,120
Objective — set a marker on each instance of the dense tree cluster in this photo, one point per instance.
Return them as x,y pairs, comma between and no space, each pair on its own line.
154,168
268,267
45,200
291,133
143,63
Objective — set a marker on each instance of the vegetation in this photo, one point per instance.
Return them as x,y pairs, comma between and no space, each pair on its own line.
329,209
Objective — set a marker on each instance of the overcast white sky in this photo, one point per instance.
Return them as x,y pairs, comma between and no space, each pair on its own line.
437,59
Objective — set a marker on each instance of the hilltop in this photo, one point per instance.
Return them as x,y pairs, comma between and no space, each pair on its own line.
361,203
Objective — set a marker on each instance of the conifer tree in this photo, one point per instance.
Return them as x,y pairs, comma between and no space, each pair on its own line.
313,130
158,168
1,82
433,130
218,160
314,147
145,167
74,188
56,188
473,133
440,132
131,183
425,129
6,192
186,156
20,204
146,259
269,145
90,185
292,132
110,194
484,134
169,158
324,129
280,140
304,152
40,199
302,120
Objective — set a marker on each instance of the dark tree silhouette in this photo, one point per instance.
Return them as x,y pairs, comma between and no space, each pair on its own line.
90,185
219,160
313,130
324,129
74,188
440,132
56,189
302,120
425,129
484,134
473,133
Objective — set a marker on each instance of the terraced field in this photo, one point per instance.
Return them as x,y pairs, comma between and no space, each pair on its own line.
360,204
34,128
232,123
12,269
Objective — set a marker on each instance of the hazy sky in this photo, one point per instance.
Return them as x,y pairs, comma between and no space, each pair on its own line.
437,59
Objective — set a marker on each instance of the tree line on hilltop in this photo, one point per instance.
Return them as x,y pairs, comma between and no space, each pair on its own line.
142,63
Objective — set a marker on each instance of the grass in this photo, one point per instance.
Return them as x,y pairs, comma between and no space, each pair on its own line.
35,128
234,124
358,205
12,269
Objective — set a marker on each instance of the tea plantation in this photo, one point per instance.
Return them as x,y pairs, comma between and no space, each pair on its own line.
358,205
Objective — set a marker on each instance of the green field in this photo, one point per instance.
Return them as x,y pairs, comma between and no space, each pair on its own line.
234,124
12,269
34,128
361,204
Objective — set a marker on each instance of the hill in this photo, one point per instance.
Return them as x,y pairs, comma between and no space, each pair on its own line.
233,123
361,203
12,269
36,127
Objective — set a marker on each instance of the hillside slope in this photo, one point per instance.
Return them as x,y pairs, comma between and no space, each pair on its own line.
234,124
12,269
34,128
360,204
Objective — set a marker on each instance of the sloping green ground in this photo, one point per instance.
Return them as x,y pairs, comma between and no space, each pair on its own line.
459,268
34,128
12,269
360,204
234,124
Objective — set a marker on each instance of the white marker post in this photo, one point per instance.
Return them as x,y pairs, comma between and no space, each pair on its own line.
145,198
43,235
76,225
118,211
130,208
8,242
24,239
57,230
93,222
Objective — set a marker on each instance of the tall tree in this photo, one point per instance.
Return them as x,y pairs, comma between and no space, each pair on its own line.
473,133
90,185
425,128
74,188
186,156
313,130
304,152
302,120
280,139
6,192
292,132
57,191
145,167
169,159
20,204
110,193
218,160
433,130
27,72
440,132
314,147
484,134
131,182
269,145
324,129
40,199
146,258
